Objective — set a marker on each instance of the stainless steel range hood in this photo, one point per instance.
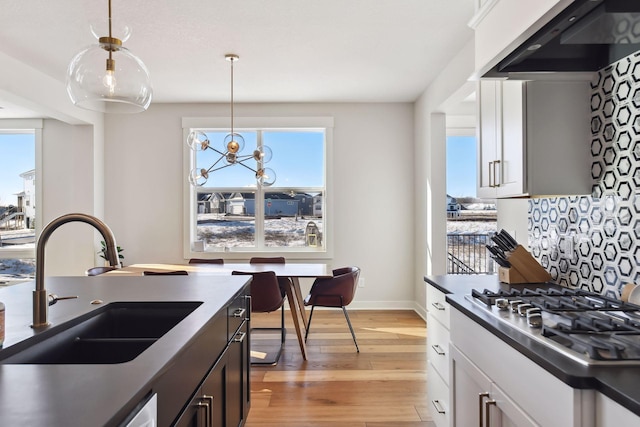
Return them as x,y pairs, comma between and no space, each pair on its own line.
585,37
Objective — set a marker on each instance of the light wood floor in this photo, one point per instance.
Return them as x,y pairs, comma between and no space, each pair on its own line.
383,385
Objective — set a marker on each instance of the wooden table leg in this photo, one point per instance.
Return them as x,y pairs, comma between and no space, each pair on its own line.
300,300
296,320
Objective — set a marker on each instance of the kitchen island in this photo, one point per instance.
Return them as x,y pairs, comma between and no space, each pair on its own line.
173,367
509,368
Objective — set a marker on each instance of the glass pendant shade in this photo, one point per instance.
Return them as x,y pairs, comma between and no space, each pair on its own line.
263,154
198,177
117,85
233,142
266,177
198,141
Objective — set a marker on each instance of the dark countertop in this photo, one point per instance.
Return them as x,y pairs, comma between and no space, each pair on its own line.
618,383
67,395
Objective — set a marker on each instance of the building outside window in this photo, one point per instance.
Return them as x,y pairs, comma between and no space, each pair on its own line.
20,141
230,213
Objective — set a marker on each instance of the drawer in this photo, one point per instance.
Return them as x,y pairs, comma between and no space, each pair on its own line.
438,346
438,397
437,305
237,312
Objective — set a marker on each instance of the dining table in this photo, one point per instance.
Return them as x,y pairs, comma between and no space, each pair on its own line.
294,271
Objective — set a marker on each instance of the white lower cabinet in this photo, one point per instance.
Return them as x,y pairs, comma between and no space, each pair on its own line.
438,356
479,401
492,384
438,391
612,414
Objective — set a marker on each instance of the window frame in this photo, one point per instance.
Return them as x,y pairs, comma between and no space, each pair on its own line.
267,124
13,126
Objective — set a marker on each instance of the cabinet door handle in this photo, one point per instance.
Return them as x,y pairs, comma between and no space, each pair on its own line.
439,351
239,312
239,337
207,410
496,174
491,169
481,397
438,306
209,406
438,406
487,411
249,304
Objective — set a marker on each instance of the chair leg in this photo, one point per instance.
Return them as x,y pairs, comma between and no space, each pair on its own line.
306,333
284,331
346,315
283,334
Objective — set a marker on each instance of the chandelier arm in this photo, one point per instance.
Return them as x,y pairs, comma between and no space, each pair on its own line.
211,169
242,164
217,151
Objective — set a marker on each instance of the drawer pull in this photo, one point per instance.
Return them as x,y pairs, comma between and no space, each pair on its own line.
239,337
239,312
438,406
439,351
438,306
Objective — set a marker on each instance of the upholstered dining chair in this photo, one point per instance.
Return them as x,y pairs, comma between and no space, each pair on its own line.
266,296
337,292
206,261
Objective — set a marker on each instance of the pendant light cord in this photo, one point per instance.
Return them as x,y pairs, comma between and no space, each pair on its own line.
232,61
110,35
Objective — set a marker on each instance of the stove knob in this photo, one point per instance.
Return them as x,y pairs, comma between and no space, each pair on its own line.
535,320
502,304
534,310
514,305
522,309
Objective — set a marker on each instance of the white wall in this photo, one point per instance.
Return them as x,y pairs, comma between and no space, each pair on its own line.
373,181
67,186
430,166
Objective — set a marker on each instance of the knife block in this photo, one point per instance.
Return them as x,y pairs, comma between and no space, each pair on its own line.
524,268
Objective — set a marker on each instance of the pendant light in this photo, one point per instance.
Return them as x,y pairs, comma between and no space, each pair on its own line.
233,144
108,78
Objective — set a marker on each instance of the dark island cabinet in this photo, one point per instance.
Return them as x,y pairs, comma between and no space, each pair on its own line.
223,399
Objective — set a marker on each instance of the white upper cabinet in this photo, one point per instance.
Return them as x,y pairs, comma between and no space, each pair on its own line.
533,138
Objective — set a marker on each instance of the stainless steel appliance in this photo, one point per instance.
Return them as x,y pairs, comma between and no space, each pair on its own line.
590,328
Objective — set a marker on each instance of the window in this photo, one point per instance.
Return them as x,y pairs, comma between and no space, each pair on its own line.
19,145
230,213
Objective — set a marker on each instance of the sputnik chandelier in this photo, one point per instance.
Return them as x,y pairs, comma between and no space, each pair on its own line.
107,77
233,144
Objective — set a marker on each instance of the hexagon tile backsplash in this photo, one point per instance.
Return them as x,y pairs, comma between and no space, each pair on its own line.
591,242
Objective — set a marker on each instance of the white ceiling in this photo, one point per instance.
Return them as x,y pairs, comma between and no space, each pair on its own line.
290,50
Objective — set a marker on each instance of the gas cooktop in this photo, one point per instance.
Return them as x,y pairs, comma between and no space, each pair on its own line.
587,327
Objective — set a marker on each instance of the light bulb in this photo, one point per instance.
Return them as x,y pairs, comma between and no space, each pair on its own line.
109,81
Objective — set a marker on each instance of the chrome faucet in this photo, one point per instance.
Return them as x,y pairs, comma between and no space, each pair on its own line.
40,297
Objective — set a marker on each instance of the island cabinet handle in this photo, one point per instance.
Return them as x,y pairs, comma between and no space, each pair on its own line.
481,397
248,297
239,312
207,409
438,306
239,337
209,404
438,406
439,351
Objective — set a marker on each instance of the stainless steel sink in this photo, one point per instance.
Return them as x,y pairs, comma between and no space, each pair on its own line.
116,333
